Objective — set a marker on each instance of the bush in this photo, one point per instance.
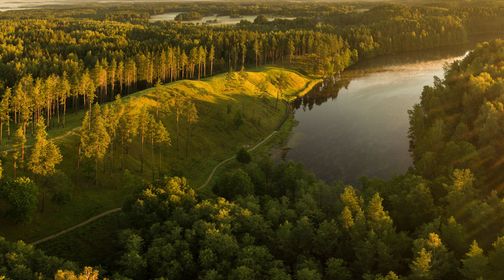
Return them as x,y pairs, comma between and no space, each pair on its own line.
234,183
61,187
243,156
238,119
22,196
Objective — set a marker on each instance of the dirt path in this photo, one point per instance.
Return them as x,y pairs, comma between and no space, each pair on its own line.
90,220
70,132
210,177
208,180
106,213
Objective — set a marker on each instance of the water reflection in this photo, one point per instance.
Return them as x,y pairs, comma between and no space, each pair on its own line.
327,90
357,125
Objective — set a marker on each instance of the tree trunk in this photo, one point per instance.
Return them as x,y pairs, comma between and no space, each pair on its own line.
22,152
153,158
188,139
112,151
178,130
142,154
64,113
8,129
122,153
96,171
58,113
159,169
78,157
42,209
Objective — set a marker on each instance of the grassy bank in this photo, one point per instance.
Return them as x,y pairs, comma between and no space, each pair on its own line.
216,136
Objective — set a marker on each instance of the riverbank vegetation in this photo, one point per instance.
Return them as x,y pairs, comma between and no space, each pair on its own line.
279,222
100,106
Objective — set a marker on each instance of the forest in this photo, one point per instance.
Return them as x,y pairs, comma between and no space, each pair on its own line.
101,107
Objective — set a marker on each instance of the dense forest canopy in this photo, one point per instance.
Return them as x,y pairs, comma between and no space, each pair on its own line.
279,222
258,220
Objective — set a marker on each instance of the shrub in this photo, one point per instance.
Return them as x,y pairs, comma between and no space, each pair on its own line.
238,119
234,183
61,187
243,156
21,195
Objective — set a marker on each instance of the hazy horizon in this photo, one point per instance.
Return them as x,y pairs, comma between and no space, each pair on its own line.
6,5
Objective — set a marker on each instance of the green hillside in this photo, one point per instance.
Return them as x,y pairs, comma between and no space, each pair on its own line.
216,136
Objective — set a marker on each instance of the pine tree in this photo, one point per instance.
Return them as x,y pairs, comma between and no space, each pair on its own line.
87,89
20,142
45,155
112,114
377,218
442,263
191,117
346,218
143,126
475,264
211,58
112,76
496,259
158,135
177,102
421,265
5,112
128,130
353,202
257,51
65,89
95,140
158,92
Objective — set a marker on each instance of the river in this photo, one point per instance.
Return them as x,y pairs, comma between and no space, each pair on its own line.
358,125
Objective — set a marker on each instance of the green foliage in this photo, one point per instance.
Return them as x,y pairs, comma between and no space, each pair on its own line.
243,156
187,16
336,269
61,187
474,265
45,154
455,134
279,222
94,137
21,194
285,234
23,261
261,19
234,183
238,119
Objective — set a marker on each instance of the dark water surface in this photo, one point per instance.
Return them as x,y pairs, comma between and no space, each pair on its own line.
358,125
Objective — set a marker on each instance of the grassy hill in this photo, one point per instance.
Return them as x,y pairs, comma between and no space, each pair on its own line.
215,136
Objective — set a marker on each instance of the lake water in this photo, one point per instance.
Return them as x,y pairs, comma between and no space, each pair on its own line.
211,20
358,125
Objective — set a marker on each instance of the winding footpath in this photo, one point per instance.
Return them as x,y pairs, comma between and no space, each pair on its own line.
57,138
90,220
210,177
115,210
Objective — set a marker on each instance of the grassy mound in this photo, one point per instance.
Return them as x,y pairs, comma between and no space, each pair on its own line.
217,135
